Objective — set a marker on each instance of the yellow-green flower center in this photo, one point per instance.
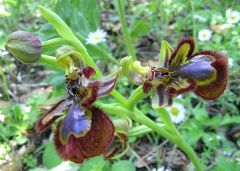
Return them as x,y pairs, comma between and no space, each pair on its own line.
233,17
96,37
174,111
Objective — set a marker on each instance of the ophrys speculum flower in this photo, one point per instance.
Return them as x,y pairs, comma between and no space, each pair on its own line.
181,71
86,131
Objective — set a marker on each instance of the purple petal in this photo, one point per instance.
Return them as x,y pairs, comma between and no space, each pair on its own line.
198,68
106,84
77,123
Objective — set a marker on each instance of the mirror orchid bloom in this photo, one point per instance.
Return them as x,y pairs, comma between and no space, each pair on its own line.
179,71
85,131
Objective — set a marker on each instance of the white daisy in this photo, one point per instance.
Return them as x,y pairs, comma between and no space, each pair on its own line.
176,112
232,16
230,62
96,37
204,35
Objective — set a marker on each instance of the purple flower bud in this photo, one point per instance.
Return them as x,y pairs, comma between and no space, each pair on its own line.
24,46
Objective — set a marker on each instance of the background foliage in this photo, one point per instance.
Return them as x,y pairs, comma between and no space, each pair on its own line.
212,128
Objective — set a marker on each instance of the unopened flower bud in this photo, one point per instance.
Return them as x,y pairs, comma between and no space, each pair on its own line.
122,125
24,46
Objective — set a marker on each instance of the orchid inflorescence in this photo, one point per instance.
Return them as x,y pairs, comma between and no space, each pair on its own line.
86,130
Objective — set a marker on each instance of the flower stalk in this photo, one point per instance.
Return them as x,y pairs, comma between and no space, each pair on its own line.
126,35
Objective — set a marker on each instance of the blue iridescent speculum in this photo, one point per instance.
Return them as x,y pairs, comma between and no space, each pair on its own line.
181,71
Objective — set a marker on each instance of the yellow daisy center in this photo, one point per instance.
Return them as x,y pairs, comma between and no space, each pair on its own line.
233,17
96,37
175,111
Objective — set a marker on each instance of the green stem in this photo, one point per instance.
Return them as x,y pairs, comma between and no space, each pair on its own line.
194,31
126,35
101,52
136,96
182,144
52,42
173,135
5,84
166,119
50,60
138,131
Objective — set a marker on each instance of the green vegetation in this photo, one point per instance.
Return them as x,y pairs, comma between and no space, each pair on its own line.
211,128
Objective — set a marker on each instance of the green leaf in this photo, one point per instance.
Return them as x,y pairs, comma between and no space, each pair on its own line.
140,28
227,120
225,164
123,165
93,164
192,132
60,26
50,156
200,114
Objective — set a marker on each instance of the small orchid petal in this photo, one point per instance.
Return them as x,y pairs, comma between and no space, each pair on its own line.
77,123
182,52
165,52
52,114
88,72
106,84
147,87
94,143
161,97
133,70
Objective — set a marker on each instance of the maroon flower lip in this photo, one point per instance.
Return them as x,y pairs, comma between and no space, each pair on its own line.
85,131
